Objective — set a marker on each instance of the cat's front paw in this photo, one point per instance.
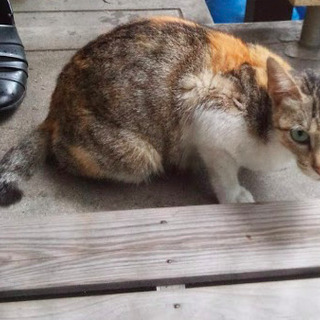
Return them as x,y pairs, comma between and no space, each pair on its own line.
238,195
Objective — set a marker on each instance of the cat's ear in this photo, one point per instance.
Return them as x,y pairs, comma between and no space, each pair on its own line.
280,85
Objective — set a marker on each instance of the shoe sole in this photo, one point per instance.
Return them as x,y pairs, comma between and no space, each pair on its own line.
13,106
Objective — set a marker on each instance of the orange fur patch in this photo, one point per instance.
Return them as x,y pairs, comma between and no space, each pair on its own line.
259,56
51,126
229,53
86,163
81,63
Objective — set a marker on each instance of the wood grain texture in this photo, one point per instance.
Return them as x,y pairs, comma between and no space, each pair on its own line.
192,9
158,246
263,301
305,2
72,30
264,32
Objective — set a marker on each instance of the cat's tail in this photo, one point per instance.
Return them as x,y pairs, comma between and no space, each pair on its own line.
20,162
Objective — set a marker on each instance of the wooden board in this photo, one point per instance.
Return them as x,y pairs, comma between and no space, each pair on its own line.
275,300
73,29
69,253
191,9
305,2
264,32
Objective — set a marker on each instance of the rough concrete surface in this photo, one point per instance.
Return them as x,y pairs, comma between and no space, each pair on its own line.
51,31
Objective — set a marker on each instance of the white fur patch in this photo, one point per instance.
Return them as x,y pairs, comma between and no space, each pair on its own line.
196,87
217,130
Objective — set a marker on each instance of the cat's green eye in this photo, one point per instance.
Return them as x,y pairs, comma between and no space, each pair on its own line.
299,136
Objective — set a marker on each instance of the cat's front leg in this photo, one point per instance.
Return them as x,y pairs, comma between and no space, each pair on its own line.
238,195
223,174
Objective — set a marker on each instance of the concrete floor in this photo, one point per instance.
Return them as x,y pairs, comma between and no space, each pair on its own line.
51,31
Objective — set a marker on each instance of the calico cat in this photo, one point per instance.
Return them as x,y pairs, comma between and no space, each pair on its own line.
156,92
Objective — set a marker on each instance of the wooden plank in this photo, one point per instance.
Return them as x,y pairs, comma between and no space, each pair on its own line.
67,253
264,32
191,9
305,2
72,30
275,300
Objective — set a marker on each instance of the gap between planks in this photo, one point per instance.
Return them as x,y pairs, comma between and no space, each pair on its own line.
297,299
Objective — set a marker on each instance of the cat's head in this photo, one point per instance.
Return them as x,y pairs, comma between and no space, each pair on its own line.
296,115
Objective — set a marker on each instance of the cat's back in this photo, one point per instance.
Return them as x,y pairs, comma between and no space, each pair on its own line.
127,78
142,59
149,45
162,38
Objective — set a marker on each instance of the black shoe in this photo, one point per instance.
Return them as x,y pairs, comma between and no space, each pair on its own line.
13,62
